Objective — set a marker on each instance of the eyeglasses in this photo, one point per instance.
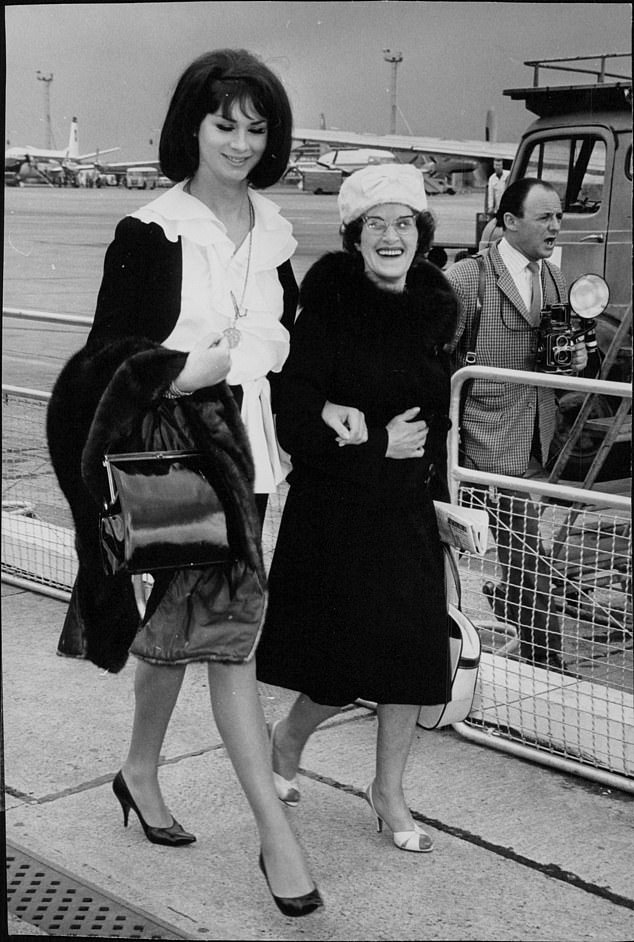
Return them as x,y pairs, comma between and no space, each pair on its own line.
376,224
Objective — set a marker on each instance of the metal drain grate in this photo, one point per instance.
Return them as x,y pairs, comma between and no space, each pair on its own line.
57,903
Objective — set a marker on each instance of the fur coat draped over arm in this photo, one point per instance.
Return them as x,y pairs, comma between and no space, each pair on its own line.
109,398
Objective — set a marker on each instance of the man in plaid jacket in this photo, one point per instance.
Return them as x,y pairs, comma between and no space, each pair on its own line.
508,428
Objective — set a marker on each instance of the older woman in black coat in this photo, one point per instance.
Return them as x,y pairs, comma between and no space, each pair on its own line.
357,606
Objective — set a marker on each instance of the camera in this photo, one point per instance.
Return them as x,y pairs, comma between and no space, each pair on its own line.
561,324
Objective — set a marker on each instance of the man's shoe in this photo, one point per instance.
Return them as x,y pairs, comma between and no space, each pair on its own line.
494,595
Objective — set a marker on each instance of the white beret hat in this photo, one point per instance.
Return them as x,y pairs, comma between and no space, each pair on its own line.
381,183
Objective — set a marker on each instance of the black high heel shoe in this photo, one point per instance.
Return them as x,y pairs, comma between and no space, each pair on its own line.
172,836
294,905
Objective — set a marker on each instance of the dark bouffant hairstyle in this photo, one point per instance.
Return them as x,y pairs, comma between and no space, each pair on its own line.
216,80
512,200
425,223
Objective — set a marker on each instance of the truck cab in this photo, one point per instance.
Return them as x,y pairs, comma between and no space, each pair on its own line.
581,143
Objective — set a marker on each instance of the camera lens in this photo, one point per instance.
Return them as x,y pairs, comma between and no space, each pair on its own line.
562,357
561,350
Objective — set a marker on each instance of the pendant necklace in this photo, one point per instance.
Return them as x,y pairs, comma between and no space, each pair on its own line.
233,333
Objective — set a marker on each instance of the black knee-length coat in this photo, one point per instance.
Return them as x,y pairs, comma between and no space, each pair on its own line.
356,588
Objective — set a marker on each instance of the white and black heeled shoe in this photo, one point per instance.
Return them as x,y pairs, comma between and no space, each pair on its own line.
417,841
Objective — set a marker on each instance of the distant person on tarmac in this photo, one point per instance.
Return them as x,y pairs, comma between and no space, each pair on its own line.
357,606
496,186
198,285
508,428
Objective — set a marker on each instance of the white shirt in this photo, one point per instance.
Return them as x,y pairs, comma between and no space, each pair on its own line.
517,264
497,185
212,268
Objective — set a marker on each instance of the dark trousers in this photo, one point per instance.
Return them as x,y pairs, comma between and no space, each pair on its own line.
524,597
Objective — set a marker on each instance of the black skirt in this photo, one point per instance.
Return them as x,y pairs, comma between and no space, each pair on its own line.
357,605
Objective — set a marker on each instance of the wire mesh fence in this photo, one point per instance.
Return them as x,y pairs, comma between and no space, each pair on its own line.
556,669
37,528
552,601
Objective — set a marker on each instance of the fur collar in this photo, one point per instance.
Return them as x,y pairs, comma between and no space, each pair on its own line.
338,288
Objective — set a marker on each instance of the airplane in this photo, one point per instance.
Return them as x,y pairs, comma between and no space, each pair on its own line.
438,169
22,163
437,157
350,159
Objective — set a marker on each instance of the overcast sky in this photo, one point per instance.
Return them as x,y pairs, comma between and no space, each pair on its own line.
114,65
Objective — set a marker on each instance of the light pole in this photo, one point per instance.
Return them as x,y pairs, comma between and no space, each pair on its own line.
47,79
394,58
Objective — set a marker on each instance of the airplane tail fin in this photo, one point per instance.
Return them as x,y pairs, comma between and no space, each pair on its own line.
323,147
491,127
73,140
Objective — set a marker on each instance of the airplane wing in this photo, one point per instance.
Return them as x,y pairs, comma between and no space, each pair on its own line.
131,164
32,153
96,153
479,150
56,156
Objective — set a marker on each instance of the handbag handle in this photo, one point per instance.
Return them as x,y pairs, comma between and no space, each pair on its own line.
111,487
451,570
136,456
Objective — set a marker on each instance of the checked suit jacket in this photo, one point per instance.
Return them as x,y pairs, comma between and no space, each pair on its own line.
498,420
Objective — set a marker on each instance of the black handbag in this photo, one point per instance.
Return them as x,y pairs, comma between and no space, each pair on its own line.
162,513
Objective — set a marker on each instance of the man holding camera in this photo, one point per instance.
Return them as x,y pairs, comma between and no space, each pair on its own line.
508,428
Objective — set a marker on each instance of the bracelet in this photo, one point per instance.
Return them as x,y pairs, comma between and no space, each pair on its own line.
174,392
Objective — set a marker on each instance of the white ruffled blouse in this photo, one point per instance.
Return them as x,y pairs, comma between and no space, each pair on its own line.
212,269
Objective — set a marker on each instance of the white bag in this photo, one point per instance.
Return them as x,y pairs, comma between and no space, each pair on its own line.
464,653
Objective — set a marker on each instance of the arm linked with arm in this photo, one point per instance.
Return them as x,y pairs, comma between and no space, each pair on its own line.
306,384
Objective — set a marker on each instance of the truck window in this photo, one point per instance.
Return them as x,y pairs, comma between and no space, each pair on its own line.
575,167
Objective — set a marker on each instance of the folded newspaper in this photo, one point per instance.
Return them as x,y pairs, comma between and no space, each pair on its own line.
463,527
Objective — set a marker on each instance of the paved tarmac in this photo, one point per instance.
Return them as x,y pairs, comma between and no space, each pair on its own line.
54,246
522,852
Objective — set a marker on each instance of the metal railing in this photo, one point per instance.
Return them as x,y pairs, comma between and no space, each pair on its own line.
27,314
38,550
578,717
37,529
599,73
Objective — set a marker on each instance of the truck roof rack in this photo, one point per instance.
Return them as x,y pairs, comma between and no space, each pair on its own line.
600,72
599,95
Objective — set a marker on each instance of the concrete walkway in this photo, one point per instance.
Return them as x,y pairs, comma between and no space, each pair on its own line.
522,852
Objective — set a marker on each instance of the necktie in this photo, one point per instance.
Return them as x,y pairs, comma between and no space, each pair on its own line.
536,294
545,406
